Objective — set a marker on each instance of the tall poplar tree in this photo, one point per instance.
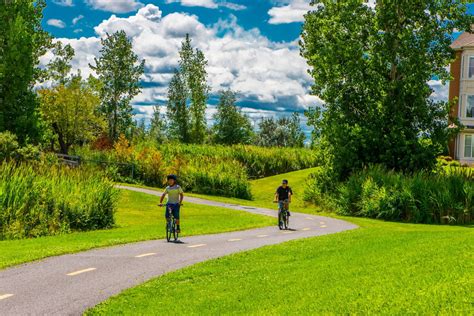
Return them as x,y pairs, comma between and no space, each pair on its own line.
189,88
119,70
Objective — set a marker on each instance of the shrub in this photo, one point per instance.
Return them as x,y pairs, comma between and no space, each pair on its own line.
39,200
421,197
220,170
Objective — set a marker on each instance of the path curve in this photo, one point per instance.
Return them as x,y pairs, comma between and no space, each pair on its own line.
69,284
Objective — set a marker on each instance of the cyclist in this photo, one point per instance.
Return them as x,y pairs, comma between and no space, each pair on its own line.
283,195
175,199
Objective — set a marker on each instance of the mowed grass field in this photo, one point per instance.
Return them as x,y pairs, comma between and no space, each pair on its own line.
138,218
380,268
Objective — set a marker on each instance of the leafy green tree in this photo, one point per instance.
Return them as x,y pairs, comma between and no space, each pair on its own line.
60,67
177,111
157,131
22,42
189,87
119,70
231,126
282,132
70,111
371,66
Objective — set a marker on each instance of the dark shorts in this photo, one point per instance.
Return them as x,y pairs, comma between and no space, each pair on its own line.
174,210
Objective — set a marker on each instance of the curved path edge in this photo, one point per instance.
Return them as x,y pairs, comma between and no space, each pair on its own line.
70,284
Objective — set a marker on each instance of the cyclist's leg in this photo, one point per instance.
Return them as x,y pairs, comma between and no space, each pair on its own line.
176,208
167,214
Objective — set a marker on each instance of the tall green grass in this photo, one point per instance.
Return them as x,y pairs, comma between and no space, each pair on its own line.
205,169
422,197
39,200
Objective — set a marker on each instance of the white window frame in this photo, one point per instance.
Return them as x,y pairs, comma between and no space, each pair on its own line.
463,72
465,107
471,136
469,67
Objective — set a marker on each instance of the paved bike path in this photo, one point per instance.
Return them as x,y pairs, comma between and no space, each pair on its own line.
69,284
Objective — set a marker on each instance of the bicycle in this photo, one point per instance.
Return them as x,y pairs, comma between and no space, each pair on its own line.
283,217
171,226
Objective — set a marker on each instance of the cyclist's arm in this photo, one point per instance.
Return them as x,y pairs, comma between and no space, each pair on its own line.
163,197
181,197
276,197
289,197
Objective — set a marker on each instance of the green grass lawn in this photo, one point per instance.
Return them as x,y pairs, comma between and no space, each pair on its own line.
380,268
138,218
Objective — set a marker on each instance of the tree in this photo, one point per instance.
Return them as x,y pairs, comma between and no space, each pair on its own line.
60,67
22,42
187,95
282,132
157,130
371,67
231,126
70,111
119,70
177,111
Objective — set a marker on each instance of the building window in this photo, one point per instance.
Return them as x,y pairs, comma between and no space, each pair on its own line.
468,146
471,67
470,106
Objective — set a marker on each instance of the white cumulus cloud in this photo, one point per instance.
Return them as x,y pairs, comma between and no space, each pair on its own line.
294,11
77,19
196,3
56,23
115,6
64,3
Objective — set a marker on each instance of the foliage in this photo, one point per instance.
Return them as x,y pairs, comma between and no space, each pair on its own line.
231,126
188,85
11,149
70,110
22,42
119,72
419,198
203,169
40,200
60,67
282,132
371,67
177,111
157,132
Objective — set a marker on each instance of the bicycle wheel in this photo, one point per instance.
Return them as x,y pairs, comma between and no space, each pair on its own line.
286,220
175,231
280,220
168,231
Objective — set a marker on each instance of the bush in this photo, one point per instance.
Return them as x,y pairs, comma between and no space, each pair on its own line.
421,197
217,170
10,149
37,200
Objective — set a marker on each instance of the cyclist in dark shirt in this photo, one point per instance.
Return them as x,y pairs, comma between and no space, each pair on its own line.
283,194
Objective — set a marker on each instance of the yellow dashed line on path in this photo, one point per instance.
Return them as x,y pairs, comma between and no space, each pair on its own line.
235,239
310,218
306,228
81,271
323,226
5,296
195,246
146,255
261,236
322,223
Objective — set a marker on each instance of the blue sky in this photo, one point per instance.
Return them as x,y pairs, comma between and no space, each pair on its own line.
251,46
